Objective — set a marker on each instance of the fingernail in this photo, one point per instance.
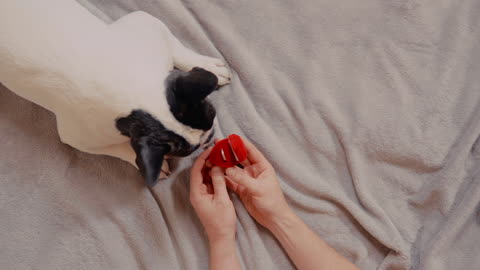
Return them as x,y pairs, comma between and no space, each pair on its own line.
217,169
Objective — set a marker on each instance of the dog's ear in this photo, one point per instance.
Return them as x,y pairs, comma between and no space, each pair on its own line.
195,85
149,158
150,150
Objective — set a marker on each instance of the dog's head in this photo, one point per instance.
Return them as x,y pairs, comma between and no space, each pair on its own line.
186,94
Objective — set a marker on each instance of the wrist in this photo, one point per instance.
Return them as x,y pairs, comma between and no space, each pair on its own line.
220,233
283,223
223,254
222,247
223,241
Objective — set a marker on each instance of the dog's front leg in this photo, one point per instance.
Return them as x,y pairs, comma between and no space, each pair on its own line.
183,58
186,59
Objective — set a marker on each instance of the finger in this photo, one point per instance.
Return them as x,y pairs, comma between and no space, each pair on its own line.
241,190
201,159
204,189
209,188
255,170
196,178
231,184
241,177
246,163
218,182
253,154
208,164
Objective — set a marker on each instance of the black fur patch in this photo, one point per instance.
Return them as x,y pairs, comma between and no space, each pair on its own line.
151,142
142,124
186,95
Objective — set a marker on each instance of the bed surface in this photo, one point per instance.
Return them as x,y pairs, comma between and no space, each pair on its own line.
369,111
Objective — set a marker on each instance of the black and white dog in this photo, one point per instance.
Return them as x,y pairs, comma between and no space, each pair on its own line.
112,87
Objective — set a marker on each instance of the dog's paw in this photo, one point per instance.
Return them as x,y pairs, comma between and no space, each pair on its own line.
217,67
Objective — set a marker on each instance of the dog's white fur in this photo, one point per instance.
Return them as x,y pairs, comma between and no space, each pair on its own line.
58,55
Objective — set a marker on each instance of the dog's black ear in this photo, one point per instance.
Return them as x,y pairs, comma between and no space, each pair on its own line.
195,85
149,158
146,140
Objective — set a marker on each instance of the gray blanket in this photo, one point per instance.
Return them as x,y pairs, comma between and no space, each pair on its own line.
369,110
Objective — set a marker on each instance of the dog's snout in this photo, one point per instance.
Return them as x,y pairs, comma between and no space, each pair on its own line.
210,137
208,142
207,145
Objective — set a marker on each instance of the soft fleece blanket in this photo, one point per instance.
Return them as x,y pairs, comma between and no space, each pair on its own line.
369,110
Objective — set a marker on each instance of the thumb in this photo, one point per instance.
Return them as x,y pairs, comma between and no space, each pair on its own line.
240,177
219,185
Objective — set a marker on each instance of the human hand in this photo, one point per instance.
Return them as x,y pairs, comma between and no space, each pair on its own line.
211,202
258,188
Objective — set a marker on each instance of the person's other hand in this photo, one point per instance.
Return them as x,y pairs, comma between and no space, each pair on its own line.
258,187
211,201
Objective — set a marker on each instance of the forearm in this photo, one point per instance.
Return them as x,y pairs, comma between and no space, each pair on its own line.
306,249
223,255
